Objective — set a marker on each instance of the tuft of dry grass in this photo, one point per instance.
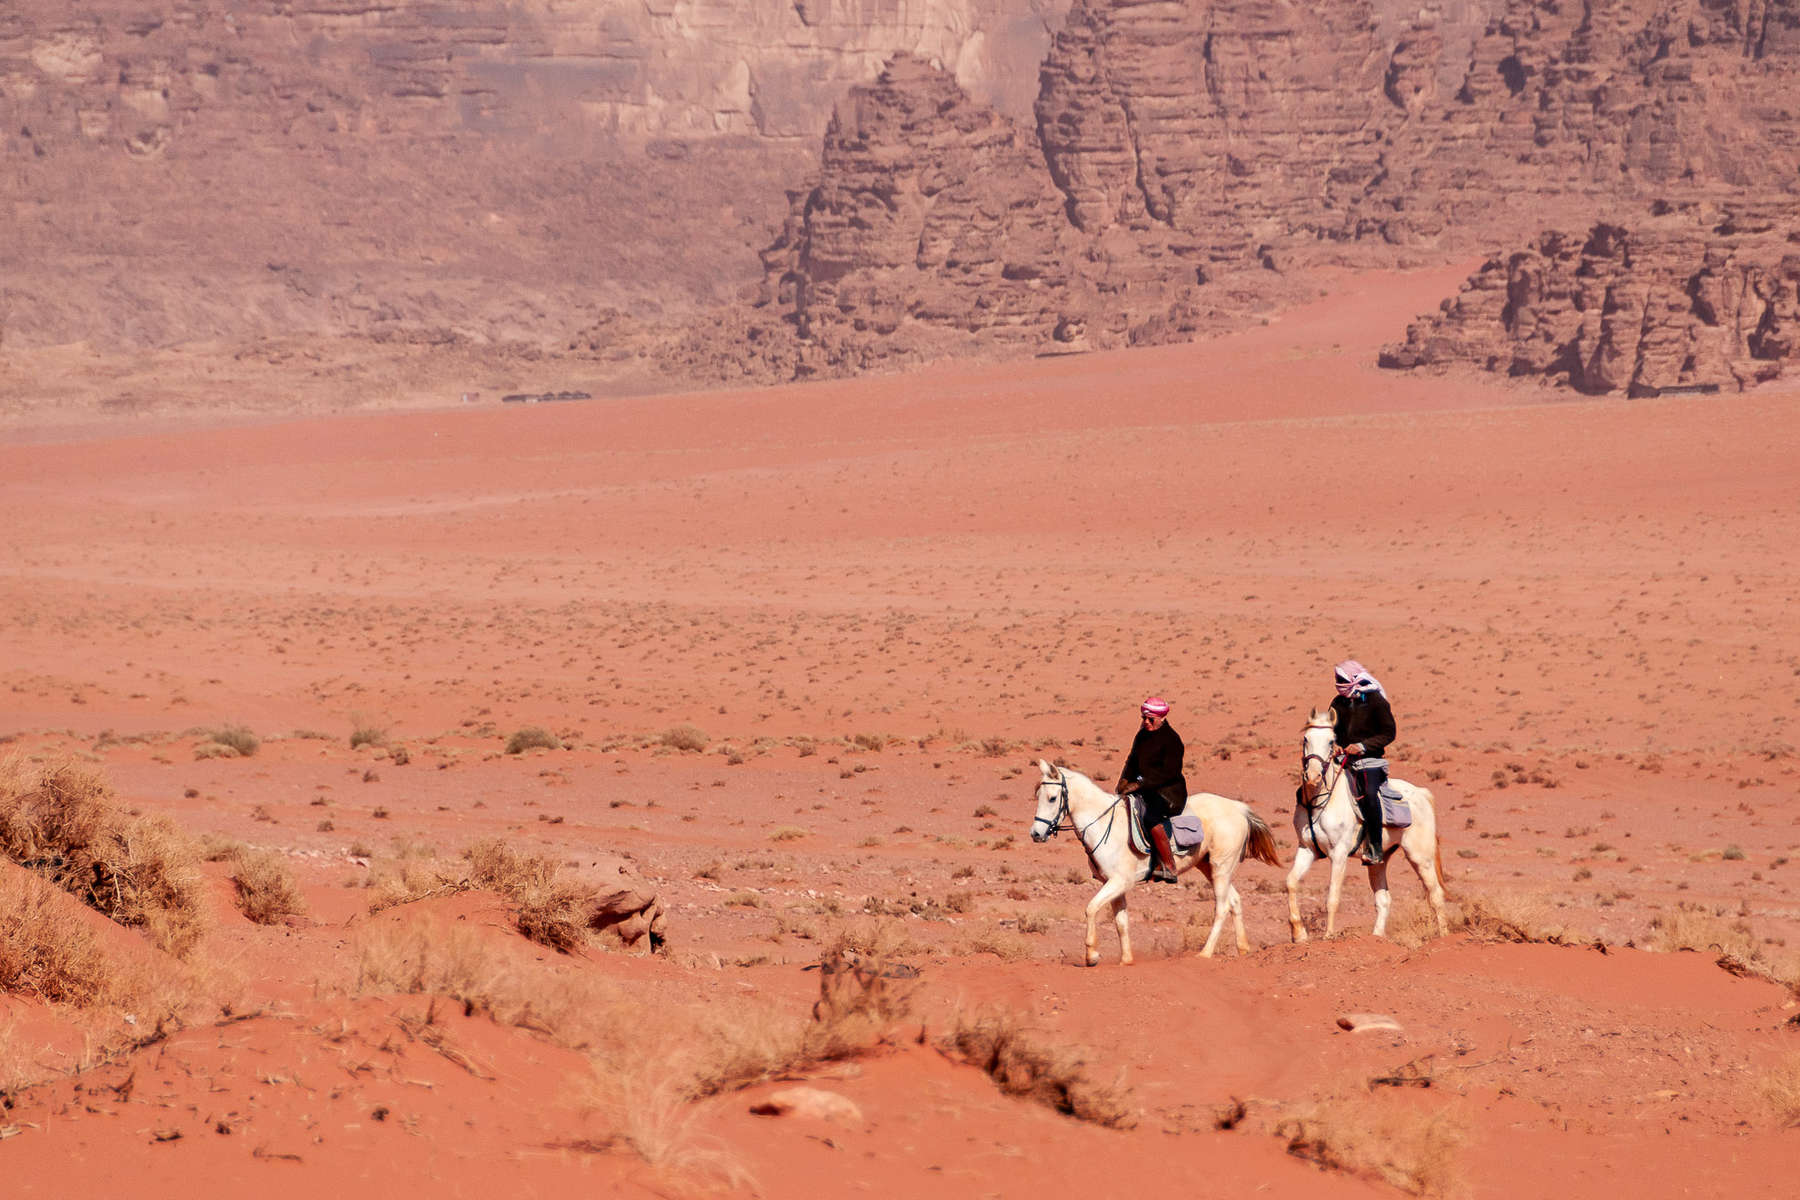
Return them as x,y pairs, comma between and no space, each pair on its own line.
685,737
551,911
1512,917
1733,940
1027,1065
366,731
1417,1150
238,738
140,871
1779,1089
656,1121
265,889
532,737
46,951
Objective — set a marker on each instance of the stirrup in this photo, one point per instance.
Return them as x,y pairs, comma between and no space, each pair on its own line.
1162,874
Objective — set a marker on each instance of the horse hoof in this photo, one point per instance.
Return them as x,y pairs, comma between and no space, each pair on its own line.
1126,962
1093,959
1299,936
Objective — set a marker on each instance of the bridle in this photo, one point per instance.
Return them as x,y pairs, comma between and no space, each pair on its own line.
1064,819
1311,801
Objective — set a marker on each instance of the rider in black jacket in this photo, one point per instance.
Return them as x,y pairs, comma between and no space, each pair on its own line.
1153,771
1363,723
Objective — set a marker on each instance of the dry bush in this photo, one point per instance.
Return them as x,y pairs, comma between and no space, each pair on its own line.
532,737
549,910
139,871
266,891
364,731
685,737
411,880
1734,941
238,737
1780,1091
46,951
656,1121
1511,917
426,957
1027,1065
1417,1151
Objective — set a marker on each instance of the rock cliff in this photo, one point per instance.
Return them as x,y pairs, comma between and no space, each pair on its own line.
1207,152
445,171
1682,300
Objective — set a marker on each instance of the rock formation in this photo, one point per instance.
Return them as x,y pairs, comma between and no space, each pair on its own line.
441,171
1676,301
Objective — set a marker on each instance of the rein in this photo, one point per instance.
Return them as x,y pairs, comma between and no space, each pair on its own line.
1310,801
1065,819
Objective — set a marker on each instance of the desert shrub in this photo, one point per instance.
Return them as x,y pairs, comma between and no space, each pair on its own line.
786,833
685,737
532,737
1780,1091
1026,1065
265,888
45,950
1734,941
364,731
1514,918
1415,1150
411,880
548,909
868,741
238,737
139,871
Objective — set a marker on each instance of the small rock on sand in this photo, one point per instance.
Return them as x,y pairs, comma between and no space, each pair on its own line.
810,1102
1365,1022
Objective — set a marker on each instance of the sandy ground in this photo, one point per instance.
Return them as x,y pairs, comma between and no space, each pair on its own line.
883,601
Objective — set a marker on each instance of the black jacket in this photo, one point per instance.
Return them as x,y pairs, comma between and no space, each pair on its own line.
1156,759
1369,721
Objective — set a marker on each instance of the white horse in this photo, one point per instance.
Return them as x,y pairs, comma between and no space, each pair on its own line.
1067,799
1328,825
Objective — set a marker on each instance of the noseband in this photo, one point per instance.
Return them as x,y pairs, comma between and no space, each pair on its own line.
1310,801
1062,820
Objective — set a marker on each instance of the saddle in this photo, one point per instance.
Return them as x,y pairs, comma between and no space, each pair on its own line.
1186,834
1396,813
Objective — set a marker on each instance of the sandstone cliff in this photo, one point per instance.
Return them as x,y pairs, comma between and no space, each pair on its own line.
440,171
1679,300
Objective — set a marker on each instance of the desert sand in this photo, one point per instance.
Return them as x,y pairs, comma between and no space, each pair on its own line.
883,601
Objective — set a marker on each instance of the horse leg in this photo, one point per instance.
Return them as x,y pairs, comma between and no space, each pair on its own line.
1122,922
1115,887
1303,860
1383,900
1340,859
1237,918
1221,906
1424,862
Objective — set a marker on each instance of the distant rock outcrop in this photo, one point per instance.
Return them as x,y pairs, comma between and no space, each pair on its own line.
1673,302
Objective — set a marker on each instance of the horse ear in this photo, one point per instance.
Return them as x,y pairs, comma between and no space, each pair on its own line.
1048,771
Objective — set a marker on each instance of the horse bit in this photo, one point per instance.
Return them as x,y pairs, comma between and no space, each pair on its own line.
1064,819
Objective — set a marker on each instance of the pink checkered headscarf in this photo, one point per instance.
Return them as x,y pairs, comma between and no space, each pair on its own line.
1354,679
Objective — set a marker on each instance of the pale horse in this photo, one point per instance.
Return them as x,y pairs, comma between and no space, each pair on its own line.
1328,825
1067,799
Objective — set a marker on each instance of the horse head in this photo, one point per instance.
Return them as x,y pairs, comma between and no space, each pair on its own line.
1052,802
1317,743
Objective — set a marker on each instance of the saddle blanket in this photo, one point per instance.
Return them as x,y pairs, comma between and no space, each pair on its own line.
1396,813
1186,833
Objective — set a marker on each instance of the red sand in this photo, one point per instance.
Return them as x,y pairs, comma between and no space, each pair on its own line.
1581,608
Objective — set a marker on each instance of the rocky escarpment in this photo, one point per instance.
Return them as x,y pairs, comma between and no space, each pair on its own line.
936,230
1677,301
440,171
1208,152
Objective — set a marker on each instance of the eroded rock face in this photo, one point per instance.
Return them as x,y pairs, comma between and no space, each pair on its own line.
447,172
1676,301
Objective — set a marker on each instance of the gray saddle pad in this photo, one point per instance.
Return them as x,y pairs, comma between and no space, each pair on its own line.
1396,813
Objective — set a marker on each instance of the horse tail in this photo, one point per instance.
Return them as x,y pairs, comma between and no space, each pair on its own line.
1437,858
1262,845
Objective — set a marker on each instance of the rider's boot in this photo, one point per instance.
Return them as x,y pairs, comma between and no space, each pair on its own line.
1371,815
1163,868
